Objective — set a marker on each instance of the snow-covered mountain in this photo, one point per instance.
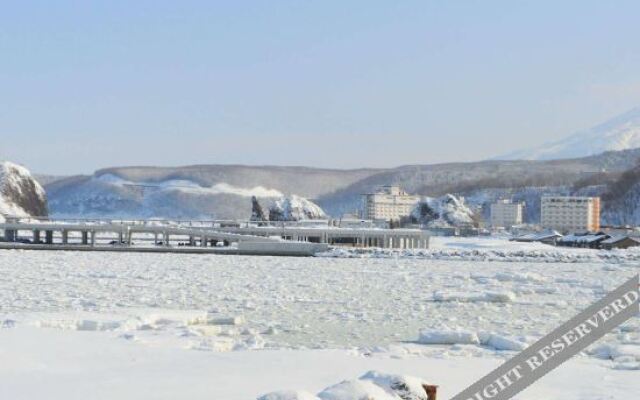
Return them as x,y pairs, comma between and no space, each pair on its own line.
295,208
20,193
619,133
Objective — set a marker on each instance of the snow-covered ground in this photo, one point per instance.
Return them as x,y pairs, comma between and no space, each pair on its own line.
85,325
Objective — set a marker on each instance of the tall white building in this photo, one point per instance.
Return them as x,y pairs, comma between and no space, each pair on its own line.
570,214
388,203
506,213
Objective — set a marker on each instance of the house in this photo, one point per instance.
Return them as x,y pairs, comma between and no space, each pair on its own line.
590,240
547,237
620,242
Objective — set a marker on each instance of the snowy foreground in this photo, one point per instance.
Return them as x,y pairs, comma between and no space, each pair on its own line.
166,326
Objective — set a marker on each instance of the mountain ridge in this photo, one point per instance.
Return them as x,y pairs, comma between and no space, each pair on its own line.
621,132
223,191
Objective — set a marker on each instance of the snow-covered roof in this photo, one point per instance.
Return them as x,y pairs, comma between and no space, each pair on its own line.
538,236
619,238
577,238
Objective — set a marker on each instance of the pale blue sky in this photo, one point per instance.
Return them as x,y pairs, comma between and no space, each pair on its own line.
320,83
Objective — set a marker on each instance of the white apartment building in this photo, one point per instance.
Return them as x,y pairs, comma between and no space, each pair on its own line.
506,213
388,203
570,214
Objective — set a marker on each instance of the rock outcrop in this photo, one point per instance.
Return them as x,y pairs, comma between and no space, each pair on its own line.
295,208
445,211
257,214
20,193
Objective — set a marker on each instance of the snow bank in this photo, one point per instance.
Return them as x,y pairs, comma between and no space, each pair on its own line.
611,351
288,395
355,389
372,385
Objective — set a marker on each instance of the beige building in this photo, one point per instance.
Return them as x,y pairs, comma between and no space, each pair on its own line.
506,213
388,203
570,214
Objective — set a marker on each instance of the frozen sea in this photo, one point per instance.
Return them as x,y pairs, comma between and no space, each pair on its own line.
352,306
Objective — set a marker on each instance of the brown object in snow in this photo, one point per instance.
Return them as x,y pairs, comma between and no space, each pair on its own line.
432,391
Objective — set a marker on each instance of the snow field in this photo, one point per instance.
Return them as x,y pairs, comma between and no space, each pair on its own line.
232,327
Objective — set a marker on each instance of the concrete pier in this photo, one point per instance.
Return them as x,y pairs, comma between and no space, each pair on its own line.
129,234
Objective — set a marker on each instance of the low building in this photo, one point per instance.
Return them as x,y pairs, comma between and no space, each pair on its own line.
388,203
506,213
619,242
548,237
590,240
570,214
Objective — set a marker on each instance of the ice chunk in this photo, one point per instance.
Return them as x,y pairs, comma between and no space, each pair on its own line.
501,343
446,336
470,297
239,320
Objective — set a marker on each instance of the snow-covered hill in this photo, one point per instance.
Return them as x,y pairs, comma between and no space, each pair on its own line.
224,191
112,196
619,133
20,194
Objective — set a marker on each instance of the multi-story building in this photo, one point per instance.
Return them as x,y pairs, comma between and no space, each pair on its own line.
388,203
506,213
570,214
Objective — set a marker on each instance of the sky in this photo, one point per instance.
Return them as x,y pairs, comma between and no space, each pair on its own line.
339,84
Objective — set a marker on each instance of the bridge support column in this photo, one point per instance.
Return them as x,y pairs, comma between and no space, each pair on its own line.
48,237
85,237
167,238
65,236
36,236
203,241
93,238
10,235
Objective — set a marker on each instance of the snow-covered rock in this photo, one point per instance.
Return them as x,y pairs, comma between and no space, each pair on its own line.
372,385
20,193
288,395
445,211
403,386
619,133
355,390
295,208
